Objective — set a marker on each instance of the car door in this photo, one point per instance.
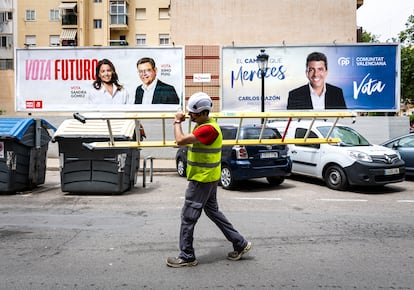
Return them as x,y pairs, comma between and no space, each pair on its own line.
305,158
405,147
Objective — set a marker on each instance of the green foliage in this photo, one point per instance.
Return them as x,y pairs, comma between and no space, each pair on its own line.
369,37
406,38
407,73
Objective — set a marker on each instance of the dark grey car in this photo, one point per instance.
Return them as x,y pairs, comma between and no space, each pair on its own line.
405,146
246,162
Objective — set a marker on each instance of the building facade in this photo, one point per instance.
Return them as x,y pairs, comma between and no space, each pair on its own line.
246,22
201,26
93,23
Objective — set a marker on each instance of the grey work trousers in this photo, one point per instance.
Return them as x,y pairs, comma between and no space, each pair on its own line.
199,196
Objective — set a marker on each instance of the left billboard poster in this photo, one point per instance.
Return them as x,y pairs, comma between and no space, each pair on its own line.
83,79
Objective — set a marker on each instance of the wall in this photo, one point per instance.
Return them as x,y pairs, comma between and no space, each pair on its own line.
7,92
244,22
206,60
379,129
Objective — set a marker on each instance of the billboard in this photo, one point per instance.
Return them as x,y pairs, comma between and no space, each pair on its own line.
61,79
368,76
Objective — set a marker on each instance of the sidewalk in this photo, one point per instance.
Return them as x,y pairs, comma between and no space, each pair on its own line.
159,165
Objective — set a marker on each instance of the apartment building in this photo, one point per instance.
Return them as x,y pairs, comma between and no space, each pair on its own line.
93,23
6,34
202,26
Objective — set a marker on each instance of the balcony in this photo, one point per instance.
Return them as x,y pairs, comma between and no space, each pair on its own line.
119,22
118,43
70,19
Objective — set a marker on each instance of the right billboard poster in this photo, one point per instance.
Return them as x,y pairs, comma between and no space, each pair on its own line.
363,77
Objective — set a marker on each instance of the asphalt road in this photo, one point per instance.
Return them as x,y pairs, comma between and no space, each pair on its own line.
304,235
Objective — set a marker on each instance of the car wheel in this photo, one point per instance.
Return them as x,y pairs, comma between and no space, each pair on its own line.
335,178
181,167
275,180
226,178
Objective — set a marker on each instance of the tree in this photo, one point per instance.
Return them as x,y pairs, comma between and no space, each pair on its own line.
407,73
406,38
369,37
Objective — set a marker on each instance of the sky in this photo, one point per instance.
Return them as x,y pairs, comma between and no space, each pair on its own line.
384,18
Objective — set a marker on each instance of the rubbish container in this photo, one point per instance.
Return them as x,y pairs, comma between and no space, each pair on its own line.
108,170
23,153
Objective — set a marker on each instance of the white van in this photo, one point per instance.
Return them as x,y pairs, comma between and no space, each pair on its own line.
354,161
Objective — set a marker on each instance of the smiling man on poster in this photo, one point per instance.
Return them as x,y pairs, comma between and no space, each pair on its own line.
152,90
317,94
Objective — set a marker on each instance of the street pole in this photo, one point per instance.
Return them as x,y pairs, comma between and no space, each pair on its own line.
262,61
263,94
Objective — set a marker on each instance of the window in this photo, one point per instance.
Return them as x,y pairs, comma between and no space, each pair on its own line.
164,39
140,14
118,7
6,16
141,39
97,1
3,41
164,13
54,40
30,15
406,141
6,64
30,40
348,136
6,41
97,23
118,12
54,15
301,132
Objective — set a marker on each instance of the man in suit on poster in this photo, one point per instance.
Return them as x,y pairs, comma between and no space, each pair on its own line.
317,94
152,90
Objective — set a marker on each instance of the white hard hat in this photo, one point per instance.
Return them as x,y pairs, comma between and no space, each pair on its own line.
199,102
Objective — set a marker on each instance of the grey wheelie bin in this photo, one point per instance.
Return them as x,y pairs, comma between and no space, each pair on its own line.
23,153
106,171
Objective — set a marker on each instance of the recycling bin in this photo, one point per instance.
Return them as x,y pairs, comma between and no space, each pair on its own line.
23,153
107,170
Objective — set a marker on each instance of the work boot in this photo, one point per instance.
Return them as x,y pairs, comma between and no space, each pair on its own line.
236,255
176,262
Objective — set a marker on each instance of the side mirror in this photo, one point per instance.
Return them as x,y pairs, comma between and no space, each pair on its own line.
395,145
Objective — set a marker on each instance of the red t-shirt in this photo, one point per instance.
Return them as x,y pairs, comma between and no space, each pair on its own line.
206,134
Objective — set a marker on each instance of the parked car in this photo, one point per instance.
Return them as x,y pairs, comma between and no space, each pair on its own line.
405,146
247,162
354,161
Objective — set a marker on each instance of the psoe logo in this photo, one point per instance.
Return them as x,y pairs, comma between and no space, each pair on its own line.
344,61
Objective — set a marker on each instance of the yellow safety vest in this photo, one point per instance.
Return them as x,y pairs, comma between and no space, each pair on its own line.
204,161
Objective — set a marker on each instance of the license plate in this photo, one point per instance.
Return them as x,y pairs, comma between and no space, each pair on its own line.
269,155
391,171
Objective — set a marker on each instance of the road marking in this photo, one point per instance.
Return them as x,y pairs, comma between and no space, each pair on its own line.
319,199
89,196
341,199
258,198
